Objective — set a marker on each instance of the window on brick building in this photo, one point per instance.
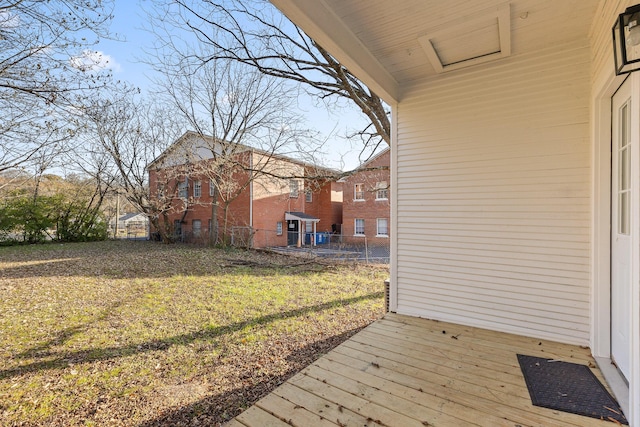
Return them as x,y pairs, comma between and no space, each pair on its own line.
308,196
212,188
196,227
308,227
359,227
279,228
293,188
382,190
383,227
197,189
182,189
358,192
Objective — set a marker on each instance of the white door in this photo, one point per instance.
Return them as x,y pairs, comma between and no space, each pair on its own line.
621,198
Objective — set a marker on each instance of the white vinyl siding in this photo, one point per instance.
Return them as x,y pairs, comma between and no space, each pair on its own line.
493,196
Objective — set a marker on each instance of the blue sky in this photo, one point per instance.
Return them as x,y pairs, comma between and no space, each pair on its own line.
125,60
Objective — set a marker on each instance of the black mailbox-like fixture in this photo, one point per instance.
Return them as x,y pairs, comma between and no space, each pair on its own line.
626,40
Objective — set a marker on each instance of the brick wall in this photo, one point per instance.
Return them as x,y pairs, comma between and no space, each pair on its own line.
271,199
367,206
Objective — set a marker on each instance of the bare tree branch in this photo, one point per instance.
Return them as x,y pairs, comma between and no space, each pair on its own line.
254,33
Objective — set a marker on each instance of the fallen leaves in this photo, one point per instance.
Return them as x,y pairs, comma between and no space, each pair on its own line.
145,334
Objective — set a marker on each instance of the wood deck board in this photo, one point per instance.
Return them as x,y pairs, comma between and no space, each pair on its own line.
403,371
479,398
287,410
483,337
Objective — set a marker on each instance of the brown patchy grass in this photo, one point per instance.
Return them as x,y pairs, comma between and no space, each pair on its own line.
144,334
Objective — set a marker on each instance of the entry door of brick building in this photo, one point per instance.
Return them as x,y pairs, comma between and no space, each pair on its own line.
292,232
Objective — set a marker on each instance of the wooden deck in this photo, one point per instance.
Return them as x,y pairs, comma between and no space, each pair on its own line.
404,371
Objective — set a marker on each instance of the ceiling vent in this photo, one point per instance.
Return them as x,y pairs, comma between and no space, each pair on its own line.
470,41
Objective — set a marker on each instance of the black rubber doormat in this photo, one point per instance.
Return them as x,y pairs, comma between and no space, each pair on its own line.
568,387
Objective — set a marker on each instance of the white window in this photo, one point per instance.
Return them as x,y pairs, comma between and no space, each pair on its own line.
279,228
182,189
308,227
293,188
383,227
212,188
308,196
358,192
197,189
359,227
196,227
382,190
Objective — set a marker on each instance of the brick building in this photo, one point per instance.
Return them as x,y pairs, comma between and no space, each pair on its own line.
263,199
366,207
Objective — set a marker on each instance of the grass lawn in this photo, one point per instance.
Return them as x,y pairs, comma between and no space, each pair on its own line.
145,334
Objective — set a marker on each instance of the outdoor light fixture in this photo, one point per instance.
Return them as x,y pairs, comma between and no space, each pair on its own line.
626,40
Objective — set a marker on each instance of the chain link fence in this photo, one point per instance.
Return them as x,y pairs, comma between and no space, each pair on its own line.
327,245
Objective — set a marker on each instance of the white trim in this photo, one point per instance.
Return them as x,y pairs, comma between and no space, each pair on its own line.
197,184
315,16
393,219
355,192
378,227
355,227
634,371
502,14
250,195
600,336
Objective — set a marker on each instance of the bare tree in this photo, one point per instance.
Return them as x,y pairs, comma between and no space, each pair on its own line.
256,34
47,69
124,134
242,121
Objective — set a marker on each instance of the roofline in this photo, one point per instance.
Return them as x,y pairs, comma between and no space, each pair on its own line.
244,147
371,159
322,24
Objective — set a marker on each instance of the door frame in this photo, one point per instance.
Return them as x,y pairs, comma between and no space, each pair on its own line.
623,249
290,234
600,338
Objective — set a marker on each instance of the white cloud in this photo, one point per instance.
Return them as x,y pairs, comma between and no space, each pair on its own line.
95,60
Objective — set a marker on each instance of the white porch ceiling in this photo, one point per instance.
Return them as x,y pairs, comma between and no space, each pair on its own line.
384,42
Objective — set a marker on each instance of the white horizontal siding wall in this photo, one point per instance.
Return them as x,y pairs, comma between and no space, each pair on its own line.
493,196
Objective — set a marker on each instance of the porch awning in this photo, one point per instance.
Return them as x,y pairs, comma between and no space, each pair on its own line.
300,216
